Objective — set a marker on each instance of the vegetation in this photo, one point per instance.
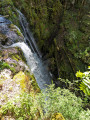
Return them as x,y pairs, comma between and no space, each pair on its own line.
85,84
7,8
4,65
46,104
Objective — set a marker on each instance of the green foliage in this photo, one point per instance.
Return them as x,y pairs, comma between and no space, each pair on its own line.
45,104
4,65
7,8
77,35
85,84
6,2
80,74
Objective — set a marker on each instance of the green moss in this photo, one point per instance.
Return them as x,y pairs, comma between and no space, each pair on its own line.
14,64
34,84
17,56
13,57
21,55
19,33
33,81
23,80
13,28
4,65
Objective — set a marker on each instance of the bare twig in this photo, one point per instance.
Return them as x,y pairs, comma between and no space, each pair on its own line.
5,16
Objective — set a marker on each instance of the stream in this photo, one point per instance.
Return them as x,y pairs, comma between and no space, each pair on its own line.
36,65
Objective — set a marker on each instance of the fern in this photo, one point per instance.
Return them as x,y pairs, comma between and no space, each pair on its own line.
85,84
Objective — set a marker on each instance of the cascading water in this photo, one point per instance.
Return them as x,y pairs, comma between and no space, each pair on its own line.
38,68
33,55
28,34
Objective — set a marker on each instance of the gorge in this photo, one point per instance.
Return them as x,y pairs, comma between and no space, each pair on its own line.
44,60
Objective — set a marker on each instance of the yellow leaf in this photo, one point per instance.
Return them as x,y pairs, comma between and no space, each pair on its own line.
79,74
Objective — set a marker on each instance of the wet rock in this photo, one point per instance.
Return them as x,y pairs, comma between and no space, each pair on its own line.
9,33
4,21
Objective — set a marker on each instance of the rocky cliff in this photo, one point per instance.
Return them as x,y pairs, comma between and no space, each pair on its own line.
15,76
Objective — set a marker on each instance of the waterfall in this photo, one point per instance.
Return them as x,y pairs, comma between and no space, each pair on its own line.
33,55
28,34
36,65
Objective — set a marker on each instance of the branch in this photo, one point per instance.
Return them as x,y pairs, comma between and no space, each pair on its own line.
5,16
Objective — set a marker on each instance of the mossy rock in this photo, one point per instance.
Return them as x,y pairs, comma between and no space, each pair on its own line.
33,82
23,80
15,29
13,59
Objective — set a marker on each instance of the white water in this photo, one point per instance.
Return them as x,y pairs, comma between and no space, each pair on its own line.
28,34
36,65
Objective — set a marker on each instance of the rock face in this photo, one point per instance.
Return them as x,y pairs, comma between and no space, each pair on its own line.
9,33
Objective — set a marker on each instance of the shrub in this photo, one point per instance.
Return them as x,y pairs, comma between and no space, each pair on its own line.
46,104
